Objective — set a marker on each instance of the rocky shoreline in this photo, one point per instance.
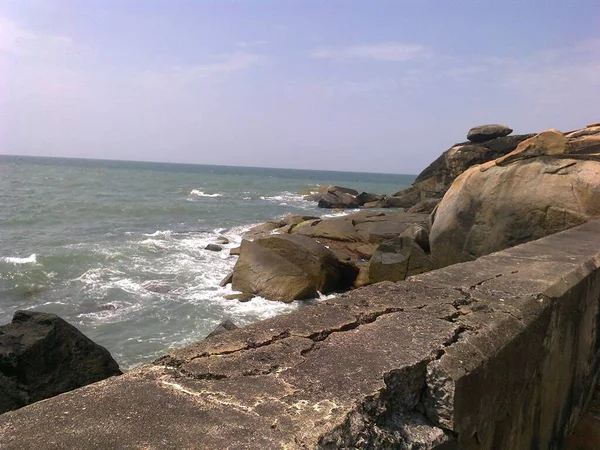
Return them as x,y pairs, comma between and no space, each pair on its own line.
492,192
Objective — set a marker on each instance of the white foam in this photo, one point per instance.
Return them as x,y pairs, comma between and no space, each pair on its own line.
199,193
31,259
165,234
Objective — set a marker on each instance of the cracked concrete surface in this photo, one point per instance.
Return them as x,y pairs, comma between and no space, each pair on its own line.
491,354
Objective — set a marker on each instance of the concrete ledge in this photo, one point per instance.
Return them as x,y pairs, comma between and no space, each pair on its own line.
499,353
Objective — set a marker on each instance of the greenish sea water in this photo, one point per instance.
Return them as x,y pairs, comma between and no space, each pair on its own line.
118,248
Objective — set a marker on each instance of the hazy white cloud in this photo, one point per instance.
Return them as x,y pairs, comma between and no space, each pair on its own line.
223,65
249,44
390,52
18,40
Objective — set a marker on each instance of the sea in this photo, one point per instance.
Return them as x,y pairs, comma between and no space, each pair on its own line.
117,248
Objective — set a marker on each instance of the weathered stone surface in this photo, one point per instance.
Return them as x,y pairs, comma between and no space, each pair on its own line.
261,271
227,279
586,435
321,265
223,240
435,180
366,197
397,259
406,365
331,188
223,327
484,133
235,251
41,356
420,234
524,196
425,206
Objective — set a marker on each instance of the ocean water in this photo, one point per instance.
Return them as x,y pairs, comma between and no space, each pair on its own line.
118,248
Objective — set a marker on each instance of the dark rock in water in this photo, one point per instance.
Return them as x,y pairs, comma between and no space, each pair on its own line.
157,286
397,259
228,278
242,297
261,271
41,356
223,240
425,206
484,133
223,327
338,199
330,188
213,247
366,197
289,267
313,197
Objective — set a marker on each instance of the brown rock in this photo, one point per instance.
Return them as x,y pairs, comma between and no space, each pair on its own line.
397,259
489,210
261,271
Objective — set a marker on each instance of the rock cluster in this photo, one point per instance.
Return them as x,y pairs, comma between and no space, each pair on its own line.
549,183
41,356
296,259
498,191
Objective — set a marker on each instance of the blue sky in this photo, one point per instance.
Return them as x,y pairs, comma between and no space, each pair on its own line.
382,86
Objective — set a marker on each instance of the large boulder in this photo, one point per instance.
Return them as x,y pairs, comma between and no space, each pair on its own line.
397,259
367,197
289,267
484,133
261,271
435,180
338,199
41,356
548,184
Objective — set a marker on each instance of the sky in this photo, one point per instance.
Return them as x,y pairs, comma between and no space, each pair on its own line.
375,86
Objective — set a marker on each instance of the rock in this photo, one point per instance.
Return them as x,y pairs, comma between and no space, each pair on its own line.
425,206
41,356
313,197
331,189
320,263
538,190
363,227
213,248
365,197
239,296
488,132
223,327
263,229
235,251
362,279
377,204
223,240
338,199
550,142
435,180
261,271
393,202
295,219
228,278
397,259
419,234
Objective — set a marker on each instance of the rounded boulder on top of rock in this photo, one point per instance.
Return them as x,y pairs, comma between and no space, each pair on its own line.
41,356
397,259
484,133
